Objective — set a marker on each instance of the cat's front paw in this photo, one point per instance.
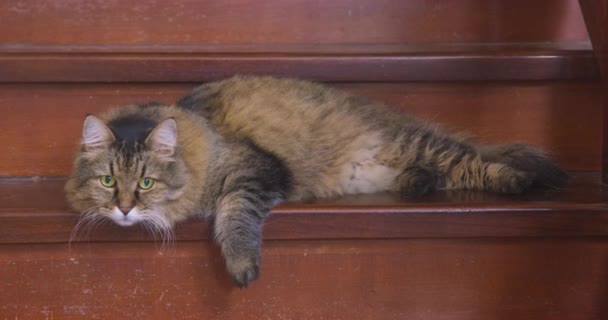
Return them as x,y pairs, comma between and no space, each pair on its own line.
243,269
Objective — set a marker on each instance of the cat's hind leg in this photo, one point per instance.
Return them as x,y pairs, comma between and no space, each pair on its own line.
418,181
475,174
494,177
440,161
529,159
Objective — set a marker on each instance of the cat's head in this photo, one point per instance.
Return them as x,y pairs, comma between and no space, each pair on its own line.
128,169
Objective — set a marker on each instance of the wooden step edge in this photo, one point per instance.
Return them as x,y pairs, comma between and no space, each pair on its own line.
424,48
34,212
377,67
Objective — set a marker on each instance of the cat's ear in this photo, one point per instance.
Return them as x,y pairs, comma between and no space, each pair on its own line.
96,134
163,139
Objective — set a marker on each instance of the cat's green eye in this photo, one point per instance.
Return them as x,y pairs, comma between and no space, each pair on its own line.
146,183
107,181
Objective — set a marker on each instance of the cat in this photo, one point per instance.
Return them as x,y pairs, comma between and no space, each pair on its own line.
234,149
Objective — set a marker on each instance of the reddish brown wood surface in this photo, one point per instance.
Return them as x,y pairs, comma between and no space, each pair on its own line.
41,124
453,255
596,19
595,13
187,26
34,212
355,40
464,63
533,279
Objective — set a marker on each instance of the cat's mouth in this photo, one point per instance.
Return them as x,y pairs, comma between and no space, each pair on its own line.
125,220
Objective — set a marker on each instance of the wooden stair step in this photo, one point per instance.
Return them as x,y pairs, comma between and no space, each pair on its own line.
31,25
42,123
371,63
35,212
501,70
458,255
473,279
360,40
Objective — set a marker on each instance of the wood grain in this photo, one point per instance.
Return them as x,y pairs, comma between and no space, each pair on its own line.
453,255
373,279
41,124
192,26
35,212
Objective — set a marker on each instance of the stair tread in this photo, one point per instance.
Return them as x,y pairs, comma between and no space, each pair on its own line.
35,211
436,62
342,49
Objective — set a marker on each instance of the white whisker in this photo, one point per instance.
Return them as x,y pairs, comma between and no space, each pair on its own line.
85,220
149,229
158,224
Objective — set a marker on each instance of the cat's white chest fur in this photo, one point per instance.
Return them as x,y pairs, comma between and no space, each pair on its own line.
363,173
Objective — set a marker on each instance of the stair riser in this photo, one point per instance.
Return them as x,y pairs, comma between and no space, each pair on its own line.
374,279
41,124
159,26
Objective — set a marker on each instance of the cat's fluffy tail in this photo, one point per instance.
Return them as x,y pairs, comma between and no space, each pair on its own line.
528,159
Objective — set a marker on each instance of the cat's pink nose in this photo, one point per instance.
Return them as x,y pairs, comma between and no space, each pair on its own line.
125,210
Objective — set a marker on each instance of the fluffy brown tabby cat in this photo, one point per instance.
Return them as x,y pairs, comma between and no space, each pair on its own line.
236,148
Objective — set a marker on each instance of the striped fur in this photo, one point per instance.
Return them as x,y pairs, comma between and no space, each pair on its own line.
236,148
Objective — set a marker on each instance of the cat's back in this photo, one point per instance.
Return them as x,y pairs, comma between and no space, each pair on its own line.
262,107
317,130
286,102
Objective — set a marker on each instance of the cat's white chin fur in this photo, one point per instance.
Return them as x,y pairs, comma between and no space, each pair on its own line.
131,218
